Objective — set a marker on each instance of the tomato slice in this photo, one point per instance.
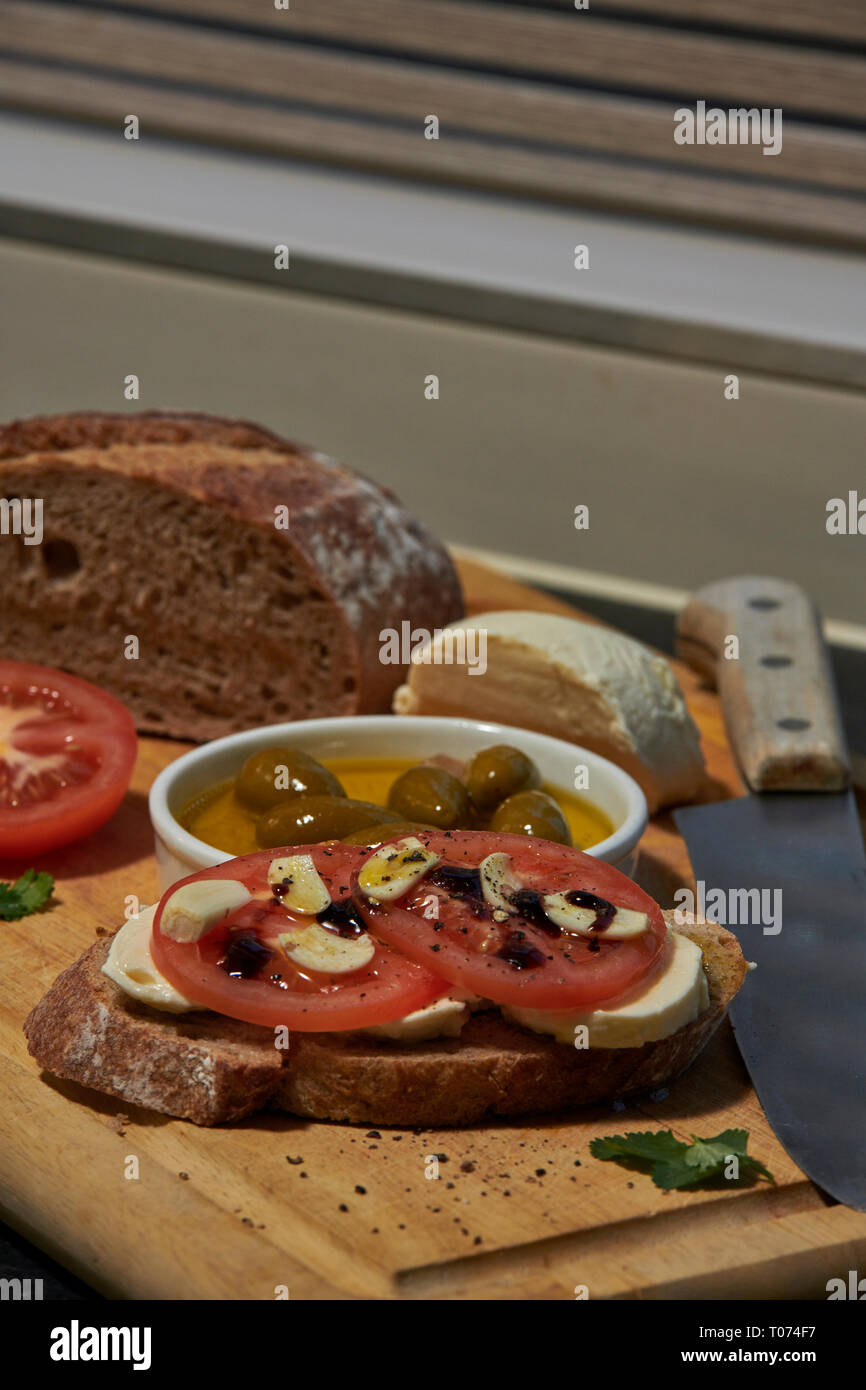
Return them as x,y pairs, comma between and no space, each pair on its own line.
279,992
67,751
517,961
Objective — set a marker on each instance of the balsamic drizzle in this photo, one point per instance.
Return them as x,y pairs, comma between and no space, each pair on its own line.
464,883
245,957
531,908
604,911
458,880
519,952
343,918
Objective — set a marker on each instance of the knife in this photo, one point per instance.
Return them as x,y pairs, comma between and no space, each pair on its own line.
800,1018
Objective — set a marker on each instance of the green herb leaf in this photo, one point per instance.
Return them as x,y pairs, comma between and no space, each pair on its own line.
647,1144
28,894
674,1164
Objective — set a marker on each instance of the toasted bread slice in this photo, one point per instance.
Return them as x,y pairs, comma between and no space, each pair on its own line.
207,1068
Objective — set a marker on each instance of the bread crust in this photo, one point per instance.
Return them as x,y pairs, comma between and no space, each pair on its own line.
87,1030
99,429
199,1066
351,562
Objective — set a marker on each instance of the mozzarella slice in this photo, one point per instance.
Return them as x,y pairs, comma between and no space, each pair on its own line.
194,908
443,1018
130,965
581,920
298,884
316,948
673,998
394,869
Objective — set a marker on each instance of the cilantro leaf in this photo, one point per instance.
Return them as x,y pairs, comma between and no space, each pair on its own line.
29,893
747,1162
646,1145
674,1164
11,906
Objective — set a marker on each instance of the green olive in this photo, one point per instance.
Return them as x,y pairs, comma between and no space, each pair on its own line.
378,834
499,772
532,813
268,778
305,820
430,794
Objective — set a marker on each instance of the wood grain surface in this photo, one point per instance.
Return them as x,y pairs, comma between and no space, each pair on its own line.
520,1209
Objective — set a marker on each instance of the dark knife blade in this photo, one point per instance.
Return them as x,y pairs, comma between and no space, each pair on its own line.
800,1018
784,868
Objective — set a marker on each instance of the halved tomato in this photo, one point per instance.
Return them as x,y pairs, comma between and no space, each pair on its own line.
276,991
67,750
525,960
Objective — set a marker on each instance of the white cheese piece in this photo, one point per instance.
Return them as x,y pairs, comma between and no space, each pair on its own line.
298,884
316,948
580,920
194,908
499,883
581,683
443,1018
130,965
394,869
673,998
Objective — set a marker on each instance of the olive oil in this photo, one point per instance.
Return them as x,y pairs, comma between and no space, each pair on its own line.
218,818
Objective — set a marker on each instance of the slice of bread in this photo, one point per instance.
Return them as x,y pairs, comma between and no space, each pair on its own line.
256,576
209,1069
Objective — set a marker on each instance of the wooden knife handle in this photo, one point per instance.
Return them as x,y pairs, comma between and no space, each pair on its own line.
759,641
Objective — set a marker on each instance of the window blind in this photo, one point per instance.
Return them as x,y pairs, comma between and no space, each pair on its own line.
539,100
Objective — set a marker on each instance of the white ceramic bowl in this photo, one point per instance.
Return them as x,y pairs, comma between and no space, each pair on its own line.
178,853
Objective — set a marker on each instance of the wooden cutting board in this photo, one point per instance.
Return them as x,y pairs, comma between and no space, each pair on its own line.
278,1206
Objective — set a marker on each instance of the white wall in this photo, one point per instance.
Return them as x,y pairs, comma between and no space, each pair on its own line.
682,485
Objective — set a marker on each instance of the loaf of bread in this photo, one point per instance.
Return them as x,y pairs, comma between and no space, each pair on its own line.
210,1069
255,577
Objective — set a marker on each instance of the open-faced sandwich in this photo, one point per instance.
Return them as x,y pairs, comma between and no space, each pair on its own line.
433,979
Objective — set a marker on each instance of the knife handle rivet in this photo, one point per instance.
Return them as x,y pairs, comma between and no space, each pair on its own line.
776,661
794,724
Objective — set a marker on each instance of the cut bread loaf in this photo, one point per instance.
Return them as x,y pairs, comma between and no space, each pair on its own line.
171,529
93,429
207,1068
574,681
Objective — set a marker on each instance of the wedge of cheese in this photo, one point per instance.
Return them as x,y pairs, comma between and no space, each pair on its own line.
566,678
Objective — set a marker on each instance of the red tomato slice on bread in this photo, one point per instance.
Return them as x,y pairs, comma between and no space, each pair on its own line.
277,991
67,751
445,919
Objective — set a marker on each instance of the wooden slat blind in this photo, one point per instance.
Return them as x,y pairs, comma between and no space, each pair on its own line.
535,99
